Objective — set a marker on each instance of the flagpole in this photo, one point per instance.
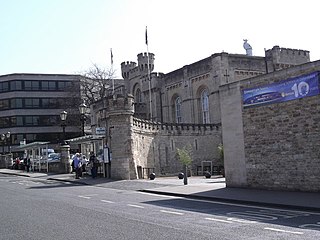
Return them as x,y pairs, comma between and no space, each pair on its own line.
149,77
112,71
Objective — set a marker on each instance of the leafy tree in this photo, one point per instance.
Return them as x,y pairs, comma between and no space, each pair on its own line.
221,151
184,156
221,160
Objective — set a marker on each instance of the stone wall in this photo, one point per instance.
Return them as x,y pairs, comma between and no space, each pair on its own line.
155,145
279,143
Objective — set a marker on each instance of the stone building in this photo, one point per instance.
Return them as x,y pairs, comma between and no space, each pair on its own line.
200,105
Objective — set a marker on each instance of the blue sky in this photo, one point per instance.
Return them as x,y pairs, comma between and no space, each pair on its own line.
68,36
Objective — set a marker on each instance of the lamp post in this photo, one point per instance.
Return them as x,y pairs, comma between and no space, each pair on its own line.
8,134
82,110
3,137
63,117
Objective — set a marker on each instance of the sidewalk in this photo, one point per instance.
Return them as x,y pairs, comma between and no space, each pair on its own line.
213,189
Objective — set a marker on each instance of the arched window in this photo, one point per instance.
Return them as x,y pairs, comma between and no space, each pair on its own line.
178,110
205,106
138,96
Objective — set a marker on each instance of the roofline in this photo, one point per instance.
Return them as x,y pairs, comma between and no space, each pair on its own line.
38,74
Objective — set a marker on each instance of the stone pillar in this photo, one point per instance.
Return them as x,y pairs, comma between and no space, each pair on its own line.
65,163
120,130
233,136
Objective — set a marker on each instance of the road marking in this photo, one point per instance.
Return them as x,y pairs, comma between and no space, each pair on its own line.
315,226
284,214
158,195
241,220
85,197
281,230
136,206
250,206
106,201
171,212
252,215
218,220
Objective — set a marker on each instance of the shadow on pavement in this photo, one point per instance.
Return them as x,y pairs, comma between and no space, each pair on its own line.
242,214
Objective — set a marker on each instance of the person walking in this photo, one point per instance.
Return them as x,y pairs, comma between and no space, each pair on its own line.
77,165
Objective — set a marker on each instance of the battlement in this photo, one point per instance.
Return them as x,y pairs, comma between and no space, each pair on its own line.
126,67
143,62
146,125
120,103
288,56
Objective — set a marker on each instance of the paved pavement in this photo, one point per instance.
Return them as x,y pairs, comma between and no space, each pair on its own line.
213,189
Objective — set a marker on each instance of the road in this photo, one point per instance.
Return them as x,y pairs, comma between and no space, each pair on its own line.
42,209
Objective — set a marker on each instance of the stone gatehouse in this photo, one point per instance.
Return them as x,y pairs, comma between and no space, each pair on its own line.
140,145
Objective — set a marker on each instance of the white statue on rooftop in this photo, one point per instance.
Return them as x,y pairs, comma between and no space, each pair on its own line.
247,47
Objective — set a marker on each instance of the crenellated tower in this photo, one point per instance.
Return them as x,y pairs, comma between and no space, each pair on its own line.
279,58
126,67
143,63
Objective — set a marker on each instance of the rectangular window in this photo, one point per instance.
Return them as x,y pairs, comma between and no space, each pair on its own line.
49,103
15,85
44,85
5,122
35,85
52,85
31,85
4,104
19,121
32,103
32,120
16,103
5,86
61,85
17,138
30,137
48,85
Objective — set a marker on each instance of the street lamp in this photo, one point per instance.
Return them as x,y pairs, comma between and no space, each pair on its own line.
3,137
63,117
82,110
8,134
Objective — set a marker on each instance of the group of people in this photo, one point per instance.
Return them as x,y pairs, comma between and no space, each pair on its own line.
80,163
22,165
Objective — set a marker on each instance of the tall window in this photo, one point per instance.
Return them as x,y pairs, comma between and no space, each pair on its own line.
178,110
138,96
205,106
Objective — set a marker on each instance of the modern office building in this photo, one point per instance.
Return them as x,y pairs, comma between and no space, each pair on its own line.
30,107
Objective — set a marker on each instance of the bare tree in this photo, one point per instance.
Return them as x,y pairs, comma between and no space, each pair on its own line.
95,83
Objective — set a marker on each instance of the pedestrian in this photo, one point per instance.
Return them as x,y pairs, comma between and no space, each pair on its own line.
28,164
77,165
94,163
84,161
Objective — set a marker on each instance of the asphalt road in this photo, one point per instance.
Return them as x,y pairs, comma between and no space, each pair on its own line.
41,209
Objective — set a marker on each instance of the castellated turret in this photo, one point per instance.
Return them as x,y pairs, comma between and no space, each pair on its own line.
126,67
143,62
280,58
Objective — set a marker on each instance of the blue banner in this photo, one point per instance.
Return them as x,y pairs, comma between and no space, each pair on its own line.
286,90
